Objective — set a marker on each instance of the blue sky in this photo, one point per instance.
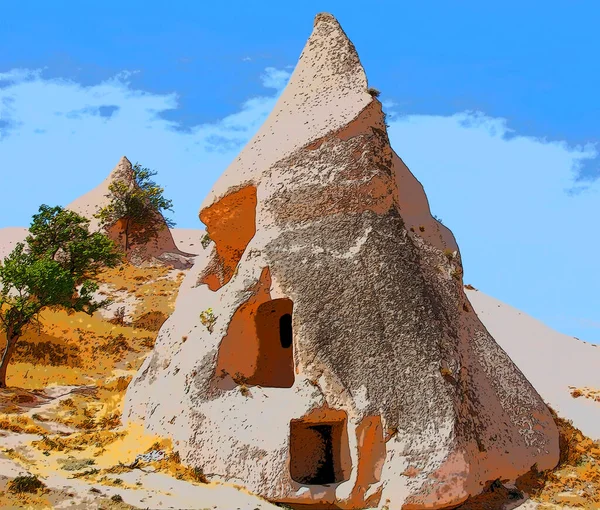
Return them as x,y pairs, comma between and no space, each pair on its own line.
493,106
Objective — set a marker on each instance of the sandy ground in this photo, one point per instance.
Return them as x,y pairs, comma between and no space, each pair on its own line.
551,361
141,488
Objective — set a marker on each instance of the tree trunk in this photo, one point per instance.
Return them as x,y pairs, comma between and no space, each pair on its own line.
126,235
11,344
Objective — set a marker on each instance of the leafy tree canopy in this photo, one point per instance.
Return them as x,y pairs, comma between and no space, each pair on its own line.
54,268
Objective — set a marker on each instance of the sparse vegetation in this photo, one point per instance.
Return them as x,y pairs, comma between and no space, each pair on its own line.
591,393
72,464
20,423
449,254
205,241
374,92
151,321
576,479
78,441
445,371
27,483
208,319
119,316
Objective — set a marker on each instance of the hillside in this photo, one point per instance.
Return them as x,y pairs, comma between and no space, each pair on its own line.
60,416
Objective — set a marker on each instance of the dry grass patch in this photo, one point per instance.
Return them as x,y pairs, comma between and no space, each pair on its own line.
128,277
91,347
20,423
151,321
173,467
97,410
13,454
39,500
79,441
74,464
591,393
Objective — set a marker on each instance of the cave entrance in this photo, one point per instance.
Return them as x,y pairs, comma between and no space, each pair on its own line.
275,357
285,331
316,452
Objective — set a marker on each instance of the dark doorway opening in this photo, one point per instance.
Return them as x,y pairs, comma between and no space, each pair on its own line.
315,452
274,336
285,331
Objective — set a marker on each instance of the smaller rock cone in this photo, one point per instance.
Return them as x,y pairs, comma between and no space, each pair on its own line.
161,248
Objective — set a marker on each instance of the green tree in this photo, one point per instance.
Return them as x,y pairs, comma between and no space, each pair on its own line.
55,268
138,202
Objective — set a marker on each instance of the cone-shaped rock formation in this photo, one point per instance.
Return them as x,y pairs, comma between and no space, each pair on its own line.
324,351
161,248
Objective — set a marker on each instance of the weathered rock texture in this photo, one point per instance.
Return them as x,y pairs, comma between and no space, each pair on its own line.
160,248
344,364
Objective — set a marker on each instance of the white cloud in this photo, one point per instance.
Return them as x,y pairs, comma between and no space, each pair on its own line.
275,78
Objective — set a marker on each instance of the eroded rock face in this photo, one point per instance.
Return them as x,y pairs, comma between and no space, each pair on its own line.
342,363
160,248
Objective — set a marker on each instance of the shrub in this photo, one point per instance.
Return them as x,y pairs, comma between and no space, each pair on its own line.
198,475
72,464
422,228
116,498
118,317
449,254
205,241
27,483
446,372
208,319
373,91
